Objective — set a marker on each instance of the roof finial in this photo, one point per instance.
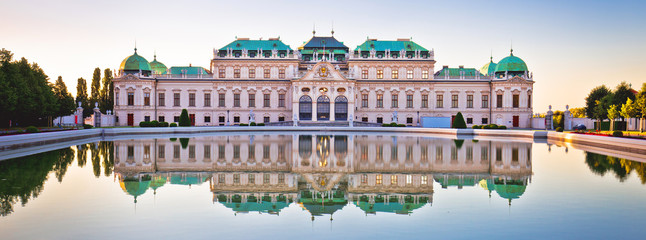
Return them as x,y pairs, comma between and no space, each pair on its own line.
333,28
135,46
511,51
314,30
155,56
491,56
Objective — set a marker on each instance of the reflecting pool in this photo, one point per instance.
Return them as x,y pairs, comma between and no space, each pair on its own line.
319,186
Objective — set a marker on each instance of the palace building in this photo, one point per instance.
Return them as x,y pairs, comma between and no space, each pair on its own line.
323,82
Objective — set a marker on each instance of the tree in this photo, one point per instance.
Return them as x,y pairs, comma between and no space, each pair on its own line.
96,86
613,113
558,120
578,112
601,109
81,96
64,100
640,106
628,110
622,93
184,120
458,121
591,100
107,92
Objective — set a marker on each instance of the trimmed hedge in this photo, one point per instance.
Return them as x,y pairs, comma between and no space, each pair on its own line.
87,126
163,124
617,134
476,127
153,124
252,124
32,129
458,121
184,120
260,124
173,124
243,124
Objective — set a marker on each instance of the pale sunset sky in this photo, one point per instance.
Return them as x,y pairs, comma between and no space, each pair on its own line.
570,46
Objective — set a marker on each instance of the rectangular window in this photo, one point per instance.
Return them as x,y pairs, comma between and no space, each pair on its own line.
424,180
454,153
116,98
281,119
281,100
395,74
409,101
454,101
207,119
221,73
131,99
176,99
176,119
221,119
265,151
499,101
236,119
393,179
161,99
395,101
267,72
221,178
529,101
252,99
485,121
409,74
147,118
484,153
380,154
516,100
281,73
364,178
252,73
439,155
409,120
423,154
425,101
207,99
364,73
485,101
380,120
236,178
236,73
364,100
252,178
265,178
281,178
147,152
266,119
380,74
469,120
236,99
393,153
469,153
364,119
191,151
221,102
161,119
440,101
176,151
380,100
409,179
424,74
379,179
252,152
236,151
514,154
469,101
498,154
266,100
221,151
161,151
146,99
191,99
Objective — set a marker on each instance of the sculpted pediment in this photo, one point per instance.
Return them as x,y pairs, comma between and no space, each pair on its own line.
517,79
323,71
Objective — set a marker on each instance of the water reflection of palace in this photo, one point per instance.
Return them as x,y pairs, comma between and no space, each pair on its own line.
323,173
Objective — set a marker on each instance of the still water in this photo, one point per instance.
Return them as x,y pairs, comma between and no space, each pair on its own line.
320,186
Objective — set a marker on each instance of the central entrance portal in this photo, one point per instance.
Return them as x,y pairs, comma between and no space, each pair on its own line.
323,108
341,108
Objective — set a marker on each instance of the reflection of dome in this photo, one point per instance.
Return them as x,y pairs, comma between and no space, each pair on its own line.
188,179
322,204
510,191
511,64
265,207
135,63
134,187
157,67
157,182
394,206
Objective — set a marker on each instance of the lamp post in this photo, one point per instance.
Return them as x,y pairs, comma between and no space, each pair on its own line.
228,118
418,123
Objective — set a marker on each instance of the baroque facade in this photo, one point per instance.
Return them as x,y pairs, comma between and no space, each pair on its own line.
323,81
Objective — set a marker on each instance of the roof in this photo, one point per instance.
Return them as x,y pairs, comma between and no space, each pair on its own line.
455,72
190,179
264,206
393,46
158,67
240,44
188,70
135,62
320,42
511,64
489,68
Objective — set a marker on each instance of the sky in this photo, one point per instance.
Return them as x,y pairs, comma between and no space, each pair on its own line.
569,46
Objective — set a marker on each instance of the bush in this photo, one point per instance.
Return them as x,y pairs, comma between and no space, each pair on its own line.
617,134
385,125
559,129
144,124
261,124
502,127
476,127
458,121
87,126
252,124
184,142
184,120
31,129
163,124
173,139
401,125
244,124
485,127
154,123
173,124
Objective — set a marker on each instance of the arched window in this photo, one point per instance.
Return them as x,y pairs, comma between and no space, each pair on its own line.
305,108
341,108
323,108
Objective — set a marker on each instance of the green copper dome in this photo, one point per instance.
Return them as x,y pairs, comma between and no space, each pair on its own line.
135,63
511,64
158,67
489,68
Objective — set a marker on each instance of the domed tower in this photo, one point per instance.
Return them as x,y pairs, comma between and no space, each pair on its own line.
489,68
135,64
157,67
511,65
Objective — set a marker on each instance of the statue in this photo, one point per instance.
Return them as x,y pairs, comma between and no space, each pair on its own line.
373,52
298,54
336,67
351,120
245,52
252,116
395,117
295,120
402,53
274,52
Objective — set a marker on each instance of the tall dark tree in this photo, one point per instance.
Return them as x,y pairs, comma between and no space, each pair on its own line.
107,92
591,100
64,100
622,93
81,96
95,87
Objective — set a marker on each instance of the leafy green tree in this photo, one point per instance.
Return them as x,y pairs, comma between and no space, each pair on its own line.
95,87
107,92
591,100
64,99
578,112
184,120
640,106
458,121
628,110
558,120
622,93
81,96
601,109
613,113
